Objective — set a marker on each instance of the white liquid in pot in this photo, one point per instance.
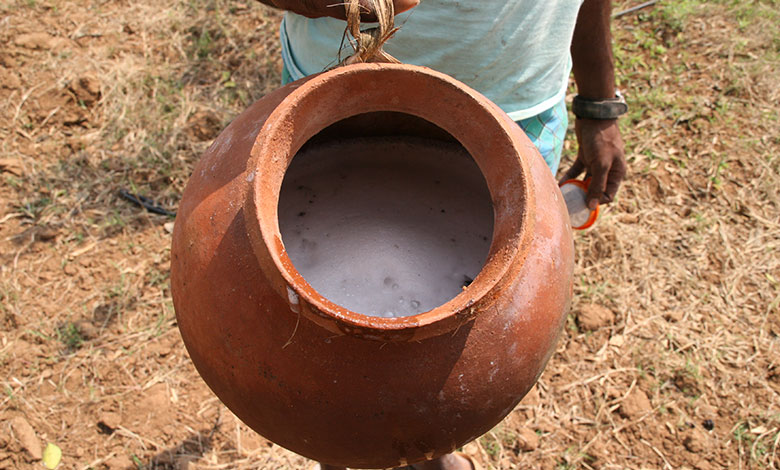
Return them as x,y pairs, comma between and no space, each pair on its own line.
386,227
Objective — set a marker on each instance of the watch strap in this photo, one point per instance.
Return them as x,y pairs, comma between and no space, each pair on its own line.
610,108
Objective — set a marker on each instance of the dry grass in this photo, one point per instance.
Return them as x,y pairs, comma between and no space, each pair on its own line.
687,259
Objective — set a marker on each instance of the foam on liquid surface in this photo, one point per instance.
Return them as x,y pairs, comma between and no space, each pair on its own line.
386,227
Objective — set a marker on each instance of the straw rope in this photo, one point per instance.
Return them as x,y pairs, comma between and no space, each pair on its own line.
368,43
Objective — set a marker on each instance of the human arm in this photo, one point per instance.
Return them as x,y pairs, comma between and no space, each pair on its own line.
332,8
601,154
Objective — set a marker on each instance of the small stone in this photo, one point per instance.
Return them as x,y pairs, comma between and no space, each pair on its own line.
25,434
70,269
617,341
47,233
109,422
86,89
635,405
594,316
695,441
9,79
168,226
527,440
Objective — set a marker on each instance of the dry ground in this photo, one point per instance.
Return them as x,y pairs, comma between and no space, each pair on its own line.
671,357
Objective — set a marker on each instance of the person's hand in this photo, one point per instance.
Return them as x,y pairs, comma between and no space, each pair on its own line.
601,157
335,8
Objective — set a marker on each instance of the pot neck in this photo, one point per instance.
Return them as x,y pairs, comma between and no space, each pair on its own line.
487,133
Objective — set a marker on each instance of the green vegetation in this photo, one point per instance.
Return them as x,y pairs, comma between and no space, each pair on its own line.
70,336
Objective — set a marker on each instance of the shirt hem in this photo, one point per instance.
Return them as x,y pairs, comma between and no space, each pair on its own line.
287,58
521,114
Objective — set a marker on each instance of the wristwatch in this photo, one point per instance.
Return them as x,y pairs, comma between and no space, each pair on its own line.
610,108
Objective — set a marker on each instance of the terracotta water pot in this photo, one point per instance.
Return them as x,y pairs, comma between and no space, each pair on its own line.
331,384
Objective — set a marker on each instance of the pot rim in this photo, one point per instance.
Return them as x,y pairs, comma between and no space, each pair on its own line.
329,97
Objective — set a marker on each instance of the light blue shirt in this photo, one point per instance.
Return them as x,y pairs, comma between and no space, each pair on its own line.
515,52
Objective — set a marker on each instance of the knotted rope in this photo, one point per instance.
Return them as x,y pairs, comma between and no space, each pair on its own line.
368,43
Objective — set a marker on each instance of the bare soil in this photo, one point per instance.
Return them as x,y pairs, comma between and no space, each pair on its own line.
671,355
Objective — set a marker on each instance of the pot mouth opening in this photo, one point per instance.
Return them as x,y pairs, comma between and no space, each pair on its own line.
385,215
363,194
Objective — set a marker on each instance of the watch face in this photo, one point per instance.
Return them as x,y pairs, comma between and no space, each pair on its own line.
574,195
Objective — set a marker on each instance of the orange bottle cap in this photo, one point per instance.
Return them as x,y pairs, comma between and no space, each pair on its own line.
574,194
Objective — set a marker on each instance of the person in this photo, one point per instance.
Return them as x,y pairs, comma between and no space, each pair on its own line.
518,53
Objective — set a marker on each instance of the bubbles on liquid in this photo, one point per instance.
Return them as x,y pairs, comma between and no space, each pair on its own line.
415,304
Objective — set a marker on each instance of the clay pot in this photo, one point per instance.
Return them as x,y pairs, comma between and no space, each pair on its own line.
338,386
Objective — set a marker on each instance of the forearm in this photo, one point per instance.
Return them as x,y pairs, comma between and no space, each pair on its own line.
600,152
334,8
310,8
591,50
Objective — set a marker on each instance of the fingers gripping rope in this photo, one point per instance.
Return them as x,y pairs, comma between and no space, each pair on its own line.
368,43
